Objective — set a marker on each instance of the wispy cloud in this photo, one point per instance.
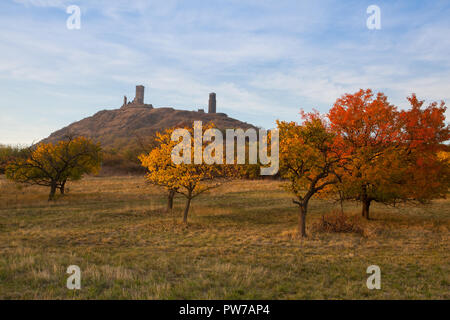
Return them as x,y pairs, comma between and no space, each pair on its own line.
264,59
44,3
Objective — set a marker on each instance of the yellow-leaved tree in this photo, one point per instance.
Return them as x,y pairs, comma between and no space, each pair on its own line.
309,159
188,178
52,165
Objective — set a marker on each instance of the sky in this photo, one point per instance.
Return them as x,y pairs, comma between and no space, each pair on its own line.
266,60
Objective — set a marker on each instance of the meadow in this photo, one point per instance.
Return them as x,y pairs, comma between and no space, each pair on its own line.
240,243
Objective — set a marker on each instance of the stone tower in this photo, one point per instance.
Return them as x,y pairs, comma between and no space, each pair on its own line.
139,99
212,103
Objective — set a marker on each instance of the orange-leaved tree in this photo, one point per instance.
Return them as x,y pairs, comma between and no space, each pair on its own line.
309,159
390,153
425,134
189,178
52,165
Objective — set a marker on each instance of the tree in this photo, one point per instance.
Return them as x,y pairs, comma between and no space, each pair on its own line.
391,154
189,180
309,158
170,197
424,135
52,165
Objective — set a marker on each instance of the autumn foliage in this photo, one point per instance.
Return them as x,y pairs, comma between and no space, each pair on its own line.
9,154
367,150
392,155
52,165
309,160
189,180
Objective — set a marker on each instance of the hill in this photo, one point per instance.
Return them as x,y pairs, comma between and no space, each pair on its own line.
122,127
127,132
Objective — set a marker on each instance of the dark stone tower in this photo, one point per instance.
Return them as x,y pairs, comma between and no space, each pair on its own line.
139,99
212,103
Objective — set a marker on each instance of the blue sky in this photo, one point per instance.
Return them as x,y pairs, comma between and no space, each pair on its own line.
264,59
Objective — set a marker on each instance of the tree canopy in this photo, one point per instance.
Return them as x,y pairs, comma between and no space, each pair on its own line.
187,179
309,159
52,165
392,154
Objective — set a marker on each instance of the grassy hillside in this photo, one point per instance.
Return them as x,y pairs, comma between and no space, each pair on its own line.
238,245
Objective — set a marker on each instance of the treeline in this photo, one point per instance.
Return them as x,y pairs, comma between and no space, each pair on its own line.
122,162
125,161
9,154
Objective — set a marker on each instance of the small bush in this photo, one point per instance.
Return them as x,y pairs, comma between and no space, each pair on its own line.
337,222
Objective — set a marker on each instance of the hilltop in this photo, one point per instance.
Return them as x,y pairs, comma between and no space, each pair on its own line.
120,127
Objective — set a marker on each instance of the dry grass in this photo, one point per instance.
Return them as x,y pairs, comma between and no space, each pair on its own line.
240,244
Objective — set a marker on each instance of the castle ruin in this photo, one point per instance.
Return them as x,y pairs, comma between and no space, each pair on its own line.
138,100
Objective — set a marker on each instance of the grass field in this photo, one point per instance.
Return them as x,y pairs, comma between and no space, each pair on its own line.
239,244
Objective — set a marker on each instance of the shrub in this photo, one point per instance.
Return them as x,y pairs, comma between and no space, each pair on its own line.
338,222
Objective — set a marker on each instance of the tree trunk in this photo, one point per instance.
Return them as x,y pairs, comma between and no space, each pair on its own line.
51,196
170,200
365,202
302,221
62,187
186,210
365,208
